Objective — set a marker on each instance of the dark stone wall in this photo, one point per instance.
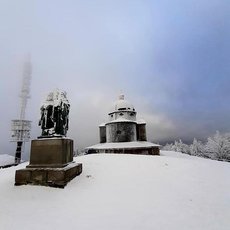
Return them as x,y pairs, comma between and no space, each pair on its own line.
102,131
155,150
141,132
121,132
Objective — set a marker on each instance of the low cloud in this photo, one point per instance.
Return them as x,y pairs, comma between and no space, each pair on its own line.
159,127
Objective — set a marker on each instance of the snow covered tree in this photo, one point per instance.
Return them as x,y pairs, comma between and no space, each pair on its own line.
168,147
179,146
197,148
218,147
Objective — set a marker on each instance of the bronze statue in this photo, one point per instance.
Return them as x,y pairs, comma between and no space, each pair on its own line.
55,115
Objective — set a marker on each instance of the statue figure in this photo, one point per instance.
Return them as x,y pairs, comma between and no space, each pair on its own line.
55,114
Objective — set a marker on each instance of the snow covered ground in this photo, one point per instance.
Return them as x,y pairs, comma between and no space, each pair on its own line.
116,191
6,160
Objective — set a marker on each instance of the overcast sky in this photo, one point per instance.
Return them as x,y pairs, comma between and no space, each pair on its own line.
170,59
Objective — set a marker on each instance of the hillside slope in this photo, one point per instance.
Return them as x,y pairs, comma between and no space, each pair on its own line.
6,160
171,191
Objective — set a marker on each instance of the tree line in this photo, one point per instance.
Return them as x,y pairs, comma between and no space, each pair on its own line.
217,147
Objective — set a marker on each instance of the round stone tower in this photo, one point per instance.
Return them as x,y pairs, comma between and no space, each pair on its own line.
122,122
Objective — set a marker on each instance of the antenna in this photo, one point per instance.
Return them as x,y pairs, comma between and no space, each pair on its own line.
25,90
21,128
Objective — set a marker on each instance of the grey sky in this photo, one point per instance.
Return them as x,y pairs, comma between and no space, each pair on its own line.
170,58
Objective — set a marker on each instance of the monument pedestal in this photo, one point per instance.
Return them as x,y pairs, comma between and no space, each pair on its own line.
51,163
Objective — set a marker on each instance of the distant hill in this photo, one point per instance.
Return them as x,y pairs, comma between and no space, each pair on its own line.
124,192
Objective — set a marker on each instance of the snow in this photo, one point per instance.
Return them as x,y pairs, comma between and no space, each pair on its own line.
121,103
6,159
102,124
121,119
141,121
55,98
131,192
123,145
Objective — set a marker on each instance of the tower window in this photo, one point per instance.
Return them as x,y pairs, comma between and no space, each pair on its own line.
121,114
118,131
122,109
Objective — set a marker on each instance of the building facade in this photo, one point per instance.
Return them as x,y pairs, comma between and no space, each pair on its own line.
123,133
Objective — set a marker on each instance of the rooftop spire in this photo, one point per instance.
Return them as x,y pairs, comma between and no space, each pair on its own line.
121,96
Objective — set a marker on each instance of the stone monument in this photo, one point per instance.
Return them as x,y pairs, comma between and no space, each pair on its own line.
51,156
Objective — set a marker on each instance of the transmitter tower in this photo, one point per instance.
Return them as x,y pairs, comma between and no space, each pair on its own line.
21,127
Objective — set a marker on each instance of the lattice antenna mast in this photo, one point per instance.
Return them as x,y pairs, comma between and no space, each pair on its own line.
25,91
21,127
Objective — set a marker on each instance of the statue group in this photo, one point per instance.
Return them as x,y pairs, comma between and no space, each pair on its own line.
51,159
54,119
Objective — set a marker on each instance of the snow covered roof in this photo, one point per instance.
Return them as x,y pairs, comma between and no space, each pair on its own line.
122,104
121,119
102,124
123,145
141,121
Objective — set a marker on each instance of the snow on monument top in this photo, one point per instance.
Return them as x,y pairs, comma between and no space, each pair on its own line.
55,98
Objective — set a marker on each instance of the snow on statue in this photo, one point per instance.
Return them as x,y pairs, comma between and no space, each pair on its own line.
55,114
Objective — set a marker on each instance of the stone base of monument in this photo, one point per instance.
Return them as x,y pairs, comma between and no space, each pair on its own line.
51,163
53,177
